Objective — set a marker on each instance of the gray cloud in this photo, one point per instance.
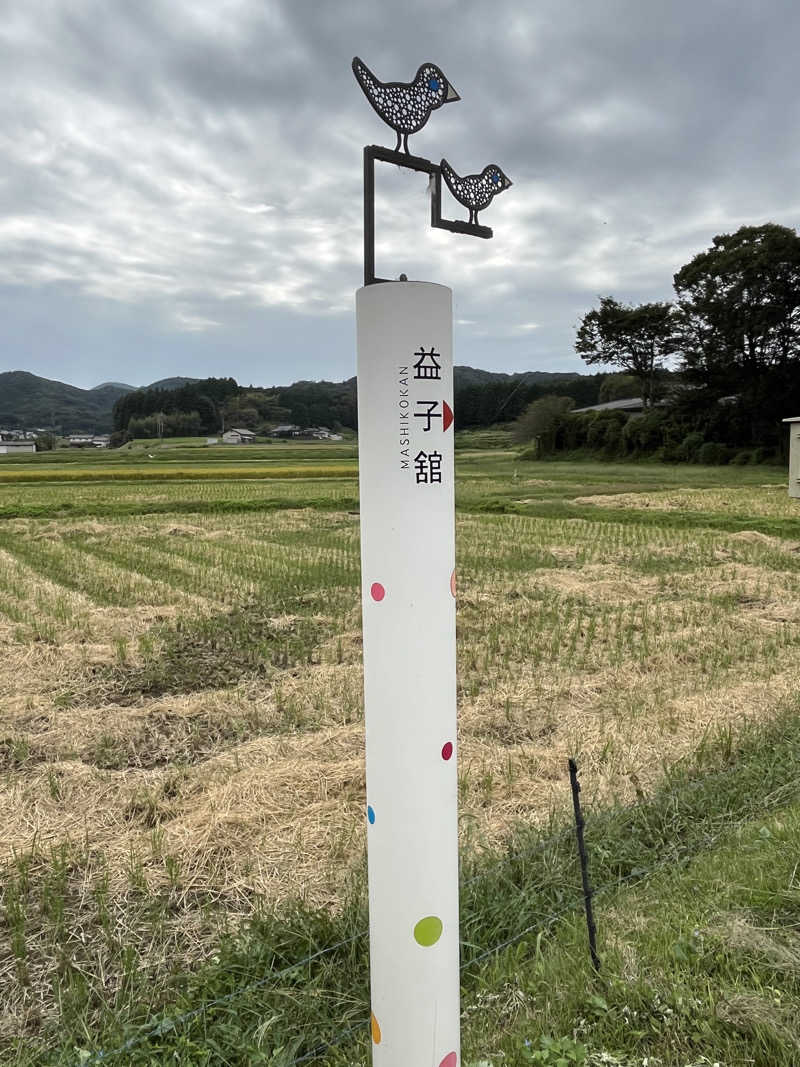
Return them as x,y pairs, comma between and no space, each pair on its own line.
181,189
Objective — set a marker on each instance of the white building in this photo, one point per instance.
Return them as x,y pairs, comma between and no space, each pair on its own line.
238,437
15,448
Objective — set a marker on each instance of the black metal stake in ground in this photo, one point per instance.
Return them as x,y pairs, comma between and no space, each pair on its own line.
587,886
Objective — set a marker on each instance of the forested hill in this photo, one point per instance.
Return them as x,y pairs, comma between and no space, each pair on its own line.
473,376
28,402
203,407
482,397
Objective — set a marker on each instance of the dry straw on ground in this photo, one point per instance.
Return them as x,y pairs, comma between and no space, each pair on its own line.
620,644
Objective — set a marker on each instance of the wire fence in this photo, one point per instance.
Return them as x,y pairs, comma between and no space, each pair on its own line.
543,923
165,1025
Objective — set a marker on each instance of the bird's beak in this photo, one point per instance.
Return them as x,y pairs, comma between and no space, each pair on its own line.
508,184
451,94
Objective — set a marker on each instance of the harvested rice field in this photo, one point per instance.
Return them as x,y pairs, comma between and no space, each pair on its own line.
180,686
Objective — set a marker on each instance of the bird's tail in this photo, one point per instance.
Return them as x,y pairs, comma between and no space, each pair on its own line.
448,174
364,76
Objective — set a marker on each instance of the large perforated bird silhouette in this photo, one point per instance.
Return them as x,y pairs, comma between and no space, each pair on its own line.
406,106
475,191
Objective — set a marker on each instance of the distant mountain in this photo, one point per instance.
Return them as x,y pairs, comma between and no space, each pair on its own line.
171,383
163,383
29,402
105,396
463,376
121,386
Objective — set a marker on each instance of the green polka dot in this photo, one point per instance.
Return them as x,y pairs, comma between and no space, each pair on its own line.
428,931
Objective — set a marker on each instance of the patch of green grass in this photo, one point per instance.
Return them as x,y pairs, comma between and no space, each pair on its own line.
221,495
500,483
215,652
487,480
700,965
715,839
494,437
179,450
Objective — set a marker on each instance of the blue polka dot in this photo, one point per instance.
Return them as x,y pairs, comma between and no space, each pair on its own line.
370,815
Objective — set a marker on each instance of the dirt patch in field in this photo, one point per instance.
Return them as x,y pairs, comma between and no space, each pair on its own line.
763,501
753,537
600,583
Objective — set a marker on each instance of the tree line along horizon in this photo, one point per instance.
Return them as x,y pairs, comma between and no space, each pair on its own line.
717,369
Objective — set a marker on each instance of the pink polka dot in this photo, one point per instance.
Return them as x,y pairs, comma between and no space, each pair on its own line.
447,750
377,592
450,1060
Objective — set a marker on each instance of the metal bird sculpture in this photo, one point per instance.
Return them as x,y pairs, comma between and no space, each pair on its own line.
475,191
406,106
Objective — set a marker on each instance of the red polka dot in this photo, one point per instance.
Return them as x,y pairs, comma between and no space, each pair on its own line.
450,1060
377,592
453,582
447,750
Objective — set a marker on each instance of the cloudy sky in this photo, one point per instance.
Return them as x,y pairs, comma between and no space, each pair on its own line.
180,190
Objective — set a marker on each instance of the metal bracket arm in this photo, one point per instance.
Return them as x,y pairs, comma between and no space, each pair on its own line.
403,159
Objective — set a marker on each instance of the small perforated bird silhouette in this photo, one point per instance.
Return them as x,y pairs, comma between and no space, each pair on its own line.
475,191
406,106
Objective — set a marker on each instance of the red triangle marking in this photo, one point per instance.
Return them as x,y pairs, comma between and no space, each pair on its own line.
447,420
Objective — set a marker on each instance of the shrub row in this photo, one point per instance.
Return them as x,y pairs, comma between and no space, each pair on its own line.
654,435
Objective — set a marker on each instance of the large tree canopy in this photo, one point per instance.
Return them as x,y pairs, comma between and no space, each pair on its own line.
739,307
635,339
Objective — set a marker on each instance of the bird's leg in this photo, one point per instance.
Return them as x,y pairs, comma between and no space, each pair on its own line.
405,144
397,143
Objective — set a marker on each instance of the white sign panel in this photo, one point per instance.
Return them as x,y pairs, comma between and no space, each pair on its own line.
405,426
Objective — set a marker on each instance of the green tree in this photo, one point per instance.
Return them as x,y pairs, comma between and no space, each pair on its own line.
239,411
45,442
739,308
635,339
540,420
619,387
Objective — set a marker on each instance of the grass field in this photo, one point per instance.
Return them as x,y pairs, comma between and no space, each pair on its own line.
180,684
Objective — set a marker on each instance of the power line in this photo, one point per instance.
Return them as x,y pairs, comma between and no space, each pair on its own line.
165,1025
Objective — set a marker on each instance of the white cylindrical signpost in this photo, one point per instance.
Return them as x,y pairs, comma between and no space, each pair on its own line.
405,416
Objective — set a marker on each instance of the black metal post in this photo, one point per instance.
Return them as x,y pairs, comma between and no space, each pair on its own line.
587,887
369,217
